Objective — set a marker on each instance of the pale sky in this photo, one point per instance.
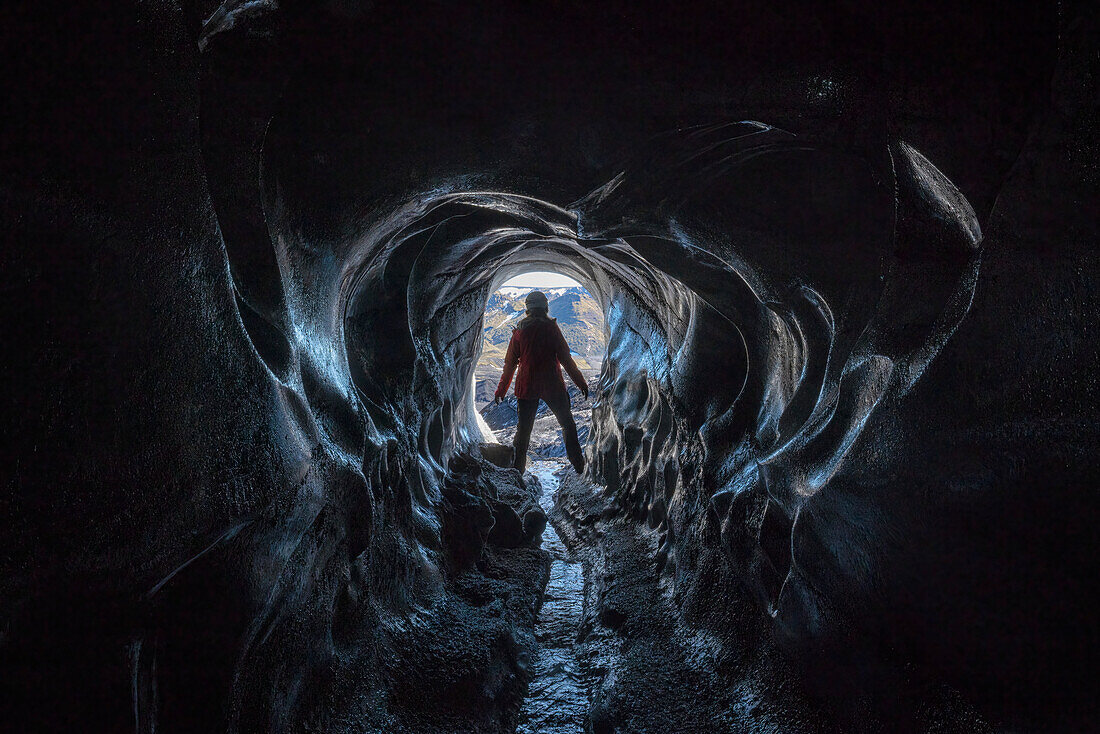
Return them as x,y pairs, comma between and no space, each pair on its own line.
541,280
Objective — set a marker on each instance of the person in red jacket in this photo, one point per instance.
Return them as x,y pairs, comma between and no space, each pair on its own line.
539,348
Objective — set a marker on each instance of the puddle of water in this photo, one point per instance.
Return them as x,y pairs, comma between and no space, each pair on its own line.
557,701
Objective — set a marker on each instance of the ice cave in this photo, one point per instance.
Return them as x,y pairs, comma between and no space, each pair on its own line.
841,440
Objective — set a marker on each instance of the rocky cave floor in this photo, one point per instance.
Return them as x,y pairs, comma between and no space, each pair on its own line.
611,653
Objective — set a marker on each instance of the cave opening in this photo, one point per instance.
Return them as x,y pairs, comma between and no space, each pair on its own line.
579,317
465,247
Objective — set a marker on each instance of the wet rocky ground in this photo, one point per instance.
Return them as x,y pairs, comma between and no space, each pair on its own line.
613,653
617,651
557,701
653,670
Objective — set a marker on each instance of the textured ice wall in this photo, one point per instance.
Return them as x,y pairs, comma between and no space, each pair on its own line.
765,297
224,500
821,285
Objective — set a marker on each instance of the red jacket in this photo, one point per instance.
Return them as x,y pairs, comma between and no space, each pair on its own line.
538,346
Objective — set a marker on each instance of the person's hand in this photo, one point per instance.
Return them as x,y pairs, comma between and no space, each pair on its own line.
584,389
497,400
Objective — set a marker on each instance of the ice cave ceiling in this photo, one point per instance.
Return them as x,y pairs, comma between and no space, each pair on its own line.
849,388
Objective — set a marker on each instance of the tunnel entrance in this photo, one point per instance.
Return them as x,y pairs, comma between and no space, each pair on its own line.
576,311
579,317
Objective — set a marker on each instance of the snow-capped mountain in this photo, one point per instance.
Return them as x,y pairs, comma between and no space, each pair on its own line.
578,315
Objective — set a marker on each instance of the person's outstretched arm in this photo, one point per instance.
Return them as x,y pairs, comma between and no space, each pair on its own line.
510,359
566,360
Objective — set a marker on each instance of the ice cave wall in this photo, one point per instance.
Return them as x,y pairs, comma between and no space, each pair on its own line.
242,296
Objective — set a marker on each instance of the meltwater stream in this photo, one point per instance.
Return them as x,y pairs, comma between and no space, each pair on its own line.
557,700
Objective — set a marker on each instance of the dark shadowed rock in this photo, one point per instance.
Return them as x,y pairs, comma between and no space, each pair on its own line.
507,528
468,519
534,523
497,454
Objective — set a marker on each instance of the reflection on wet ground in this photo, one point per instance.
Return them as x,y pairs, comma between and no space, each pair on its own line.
557,701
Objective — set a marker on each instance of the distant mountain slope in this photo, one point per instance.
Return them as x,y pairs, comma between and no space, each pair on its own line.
578,315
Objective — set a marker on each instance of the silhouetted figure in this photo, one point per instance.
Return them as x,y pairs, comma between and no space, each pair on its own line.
539,347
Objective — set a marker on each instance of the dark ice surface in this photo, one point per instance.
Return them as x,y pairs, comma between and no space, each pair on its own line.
842,447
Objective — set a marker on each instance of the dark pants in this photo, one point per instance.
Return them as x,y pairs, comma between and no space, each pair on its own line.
559,405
